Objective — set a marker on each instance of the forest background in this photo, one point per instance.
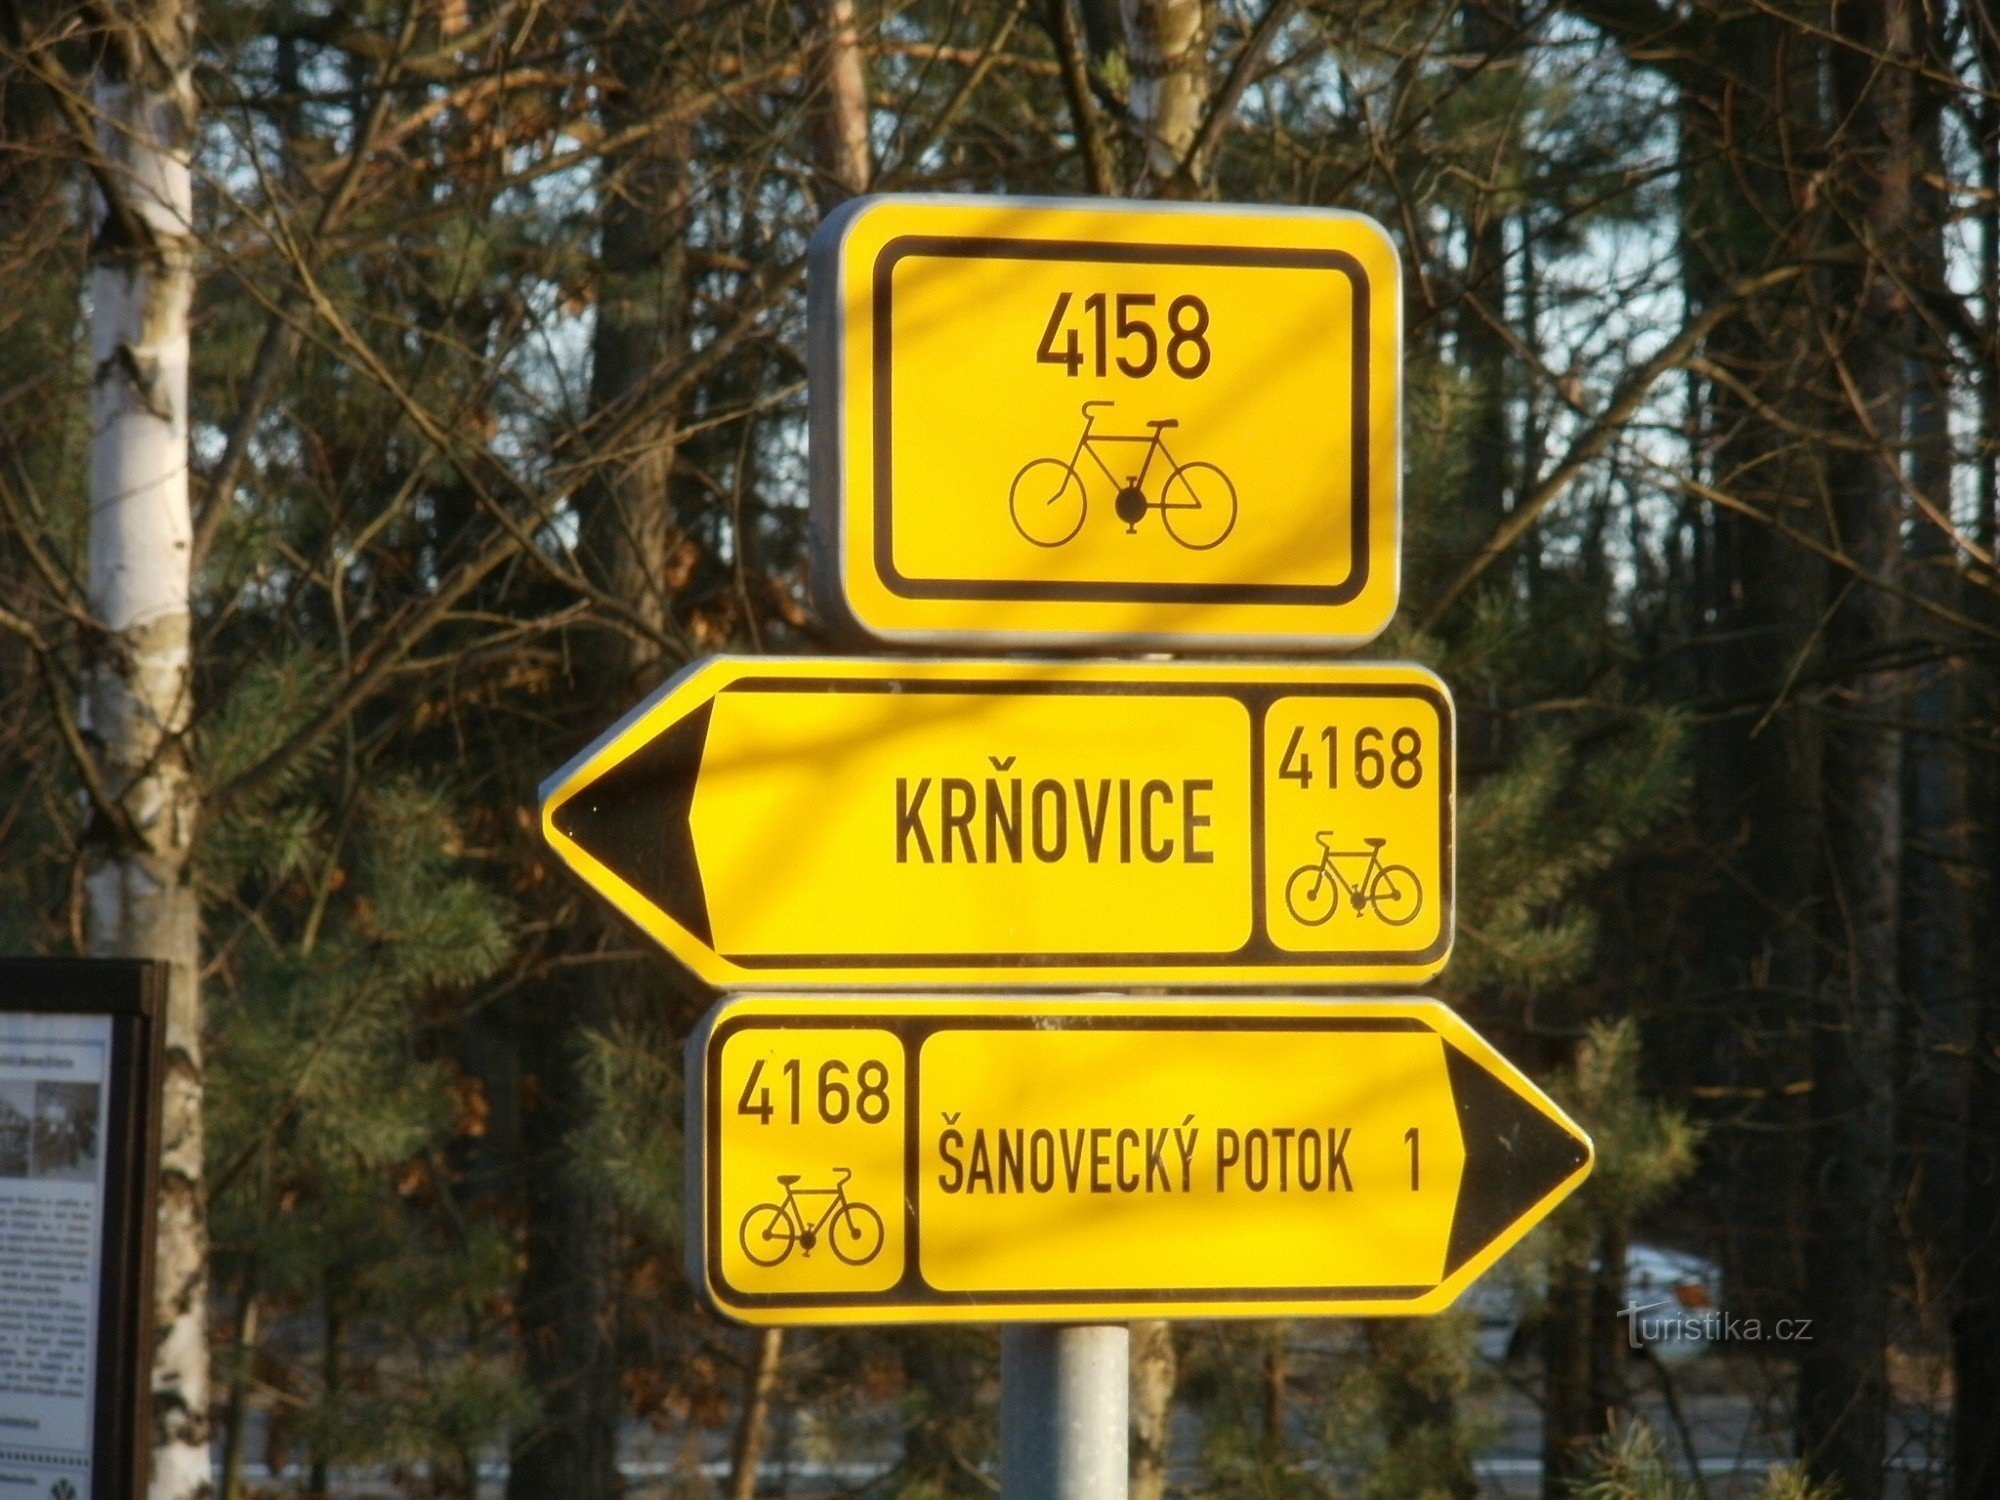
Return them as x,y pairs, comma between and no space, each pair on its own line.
393,391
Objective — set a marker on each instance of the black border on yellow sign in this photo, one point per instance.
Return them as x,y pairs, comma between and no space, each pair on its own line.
968,247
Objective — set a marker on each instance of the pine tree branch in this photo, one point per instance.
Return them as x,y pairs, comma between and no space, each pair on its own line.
65,591
1938,610
1625,400
975,75
476,464
1651,33
278,1119
60,694
280,339
121,224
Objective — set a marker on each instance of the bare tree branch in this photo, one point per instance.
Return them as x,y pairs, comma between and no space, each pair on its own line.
1061,22
1625,400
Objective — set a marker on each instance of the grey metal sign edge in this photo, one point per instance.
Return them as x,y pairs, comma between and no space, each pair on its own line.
694,1154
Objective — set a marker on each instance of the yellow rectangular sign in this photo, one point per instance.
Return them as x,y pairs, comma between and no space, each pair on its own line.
1061,422
778,823
961,1159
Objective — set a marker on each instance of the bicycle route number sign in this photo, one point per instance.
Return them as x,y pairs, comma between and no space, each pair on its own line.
1061,422
886,1159
782,823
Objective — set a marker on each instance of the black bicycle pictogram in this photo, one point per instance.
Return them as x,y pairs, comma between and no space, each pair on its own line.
1197,502
1393,892
771,1230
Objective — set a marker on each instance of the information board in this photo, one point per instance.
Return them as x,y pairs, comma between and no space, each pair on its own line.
79,1124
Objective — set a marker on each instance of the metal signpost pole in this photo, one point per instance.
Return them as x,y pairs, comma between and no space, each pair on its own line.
1064,1427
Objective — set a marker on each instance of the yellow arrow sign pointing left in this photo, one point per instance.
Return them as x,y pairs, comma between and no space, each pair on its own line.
823,822
962,1159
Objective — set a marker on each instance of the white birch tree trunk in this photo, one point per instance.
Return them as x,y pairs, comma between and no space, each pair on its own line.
141,900
1166,44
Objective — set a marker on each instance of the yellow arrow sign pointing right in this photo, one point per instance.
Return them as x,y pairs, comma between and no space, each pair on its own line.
882,1160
